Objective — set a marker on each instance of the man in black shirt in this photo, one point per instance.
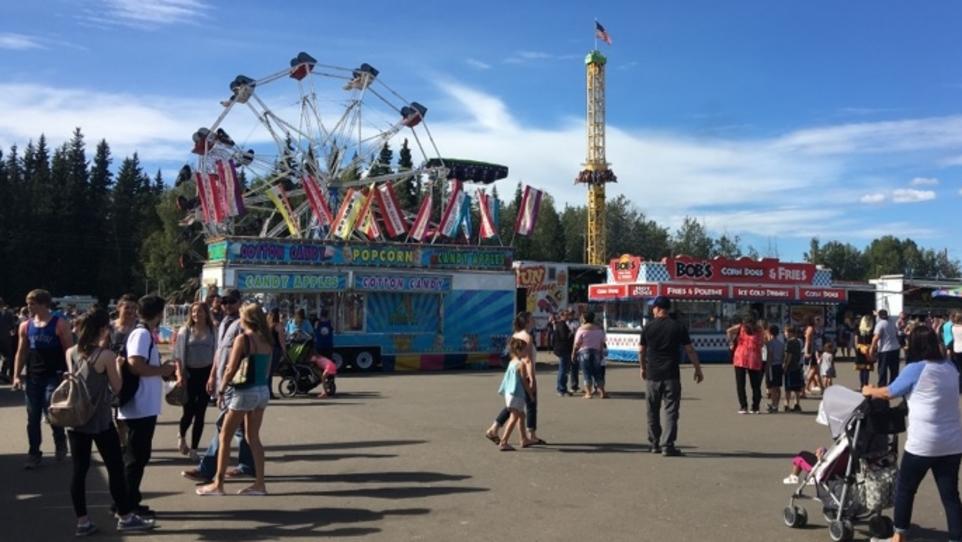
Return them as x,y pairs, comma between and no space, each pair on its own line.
661,343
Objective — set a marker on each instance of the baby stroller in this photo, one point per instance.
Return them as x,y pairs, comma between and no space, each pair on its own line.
854,480
299,374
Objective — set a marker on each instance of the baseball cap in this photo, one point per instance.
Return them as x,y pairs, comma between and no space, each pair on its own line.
661,302
232,296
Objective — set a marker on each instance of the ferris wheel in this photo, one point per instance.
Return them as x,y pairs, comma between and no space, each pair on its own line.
292,147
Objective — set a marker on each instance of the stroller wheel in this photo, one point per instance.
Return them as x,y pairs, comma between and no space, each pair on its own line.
881,527
840,531
795,517
287,387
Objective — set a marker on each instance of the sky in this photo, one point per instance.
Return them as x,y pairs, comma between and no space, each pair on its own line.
773,121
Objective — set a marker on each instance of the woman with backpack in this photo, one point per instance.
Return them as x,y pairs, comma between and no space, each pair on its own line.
96,369
194,352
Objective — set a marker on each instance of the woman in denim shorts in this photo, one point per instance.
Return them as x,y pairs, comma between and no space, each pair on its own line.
245,401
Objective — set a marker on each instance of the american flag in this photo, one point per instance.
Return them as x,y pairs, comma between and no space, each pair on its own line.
601,33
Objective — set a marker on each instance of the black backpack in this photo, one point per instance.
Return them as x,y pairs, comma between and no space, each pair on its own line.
131,382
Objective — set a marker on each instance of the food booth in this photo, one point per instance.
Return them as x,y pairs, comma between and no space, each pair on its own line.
709,295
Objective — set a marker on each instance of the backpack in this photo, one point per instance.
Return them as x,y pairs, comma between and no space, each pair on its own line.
131,382
71,404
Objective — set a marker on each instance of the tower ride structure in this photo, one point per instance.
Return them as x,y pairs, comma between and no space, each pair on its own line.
596,173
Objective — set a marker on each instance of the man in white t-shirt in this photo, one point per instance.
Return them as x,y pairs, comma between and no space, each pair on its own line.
885,343
139,414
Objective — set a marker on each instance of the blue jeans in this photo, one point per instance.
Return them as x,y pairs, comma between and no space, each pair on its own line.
590,361
564,366
37,391
245,459
913,469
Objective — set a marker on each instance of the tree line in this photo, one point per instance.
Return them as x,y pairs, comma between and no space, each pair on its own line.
78,226
74,226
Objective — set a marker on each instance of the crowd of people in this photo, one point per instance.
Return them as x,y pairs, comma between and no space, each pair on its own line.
224,354
227,350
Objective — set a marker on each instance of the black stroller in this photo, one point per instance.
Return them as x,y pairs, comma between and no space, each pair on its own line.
865,444
299,374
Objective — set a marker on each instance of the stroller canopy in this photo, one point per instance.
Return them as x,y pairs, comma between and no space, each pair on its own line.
837,406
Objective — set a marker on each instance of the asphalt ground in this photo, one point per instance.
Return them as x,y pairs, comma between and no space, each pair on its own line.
403,457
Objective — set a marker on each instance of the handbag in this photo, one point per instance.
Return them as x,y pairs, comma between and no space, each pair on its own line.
245,369
175,395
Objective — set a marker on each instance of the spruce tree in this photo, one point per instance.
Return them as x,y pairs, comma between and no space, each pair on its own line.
100,232
382,165
409,189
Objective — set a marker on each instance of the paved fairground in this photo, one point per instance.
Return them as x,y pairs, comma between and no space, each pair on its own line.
403,457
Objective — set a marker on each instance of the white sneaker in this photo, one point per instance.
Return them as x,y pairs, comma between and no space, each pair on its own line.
791,480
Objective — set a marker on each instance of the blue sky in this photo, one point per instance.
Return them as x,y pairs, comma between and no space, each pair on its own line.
775,121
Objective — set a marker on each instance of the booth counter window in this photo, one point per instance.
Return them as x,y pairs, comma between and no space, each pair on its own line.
699,316
625,315
352,312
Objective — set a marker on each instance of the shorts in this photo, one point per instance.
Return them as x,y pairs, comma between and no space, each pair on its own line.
775,376
794,380
516,402
827,373
247,399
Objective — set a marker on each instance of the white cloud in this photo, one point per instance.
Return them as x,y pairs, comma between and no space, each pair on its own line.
140,14
761,186
525,57
874,198
159,128
924,181
911,195
475,63
19,42
877,137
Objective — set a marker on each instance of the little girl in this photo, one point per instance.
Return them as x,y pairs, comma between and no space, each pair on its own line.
826,364
514,387
328,372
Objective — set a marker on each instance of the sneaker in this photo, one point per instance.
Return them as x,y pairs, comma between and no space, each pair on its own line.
742,411
134,523
655,449
85,529
772,409
671,451
791,480
33,463
61,452
144,512
797,408
754,411
788,408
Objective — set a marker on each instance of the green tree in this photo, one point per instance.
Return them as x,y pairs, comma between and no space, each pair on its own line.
128,226
845,260
727,247
101,181
691,239
408,188
169,256
630,232
382,166
883,256
574,220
